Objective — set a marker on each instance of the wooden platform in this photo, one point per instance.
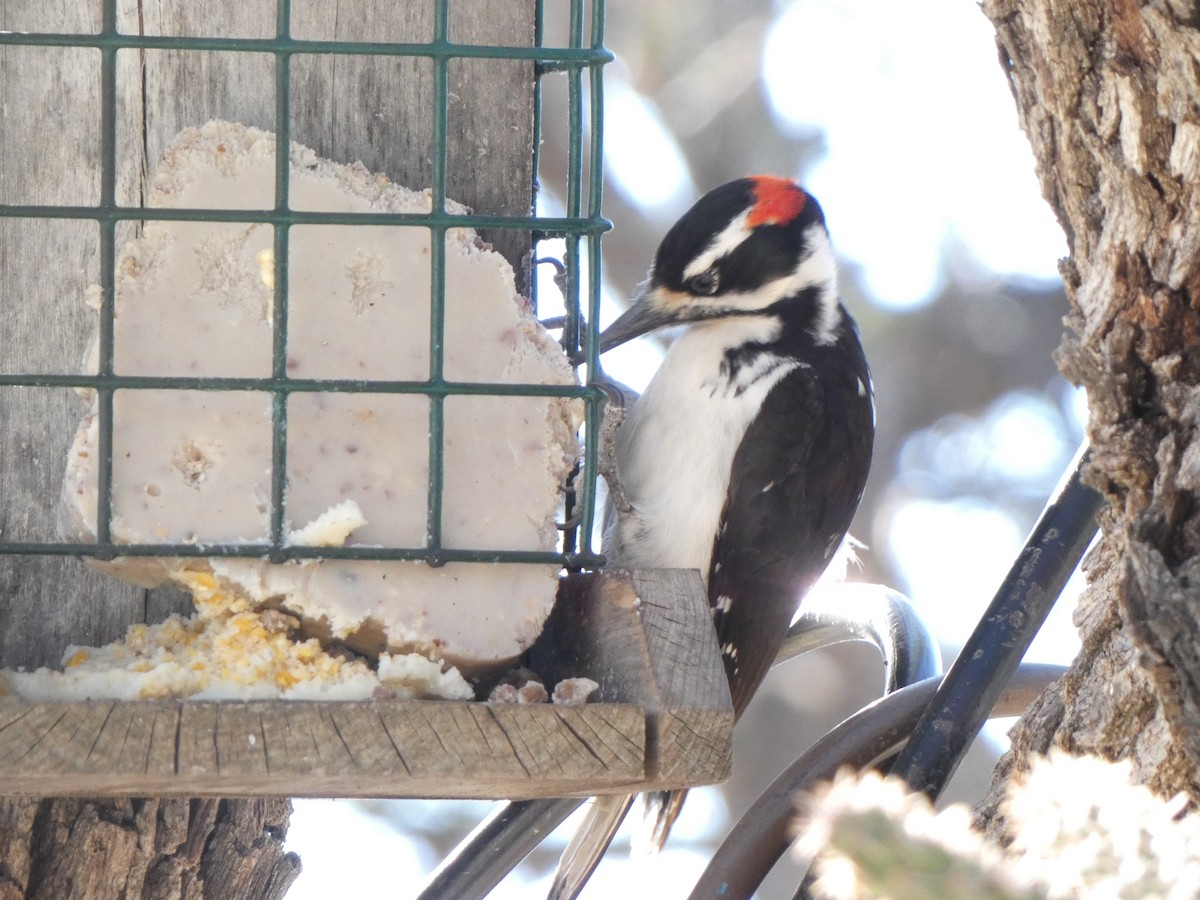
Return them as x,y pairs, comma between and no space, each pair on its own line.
661,719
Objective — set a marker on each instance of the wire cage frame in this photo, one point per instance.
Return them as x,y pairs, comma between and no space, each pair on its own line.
579,60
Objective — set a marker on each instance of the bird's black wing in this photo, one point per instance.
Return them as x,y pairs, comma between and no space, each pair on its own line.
794,486
795,483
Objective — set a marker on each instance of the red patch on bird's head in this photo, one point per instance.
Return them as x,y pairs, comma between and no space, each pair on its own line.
776,201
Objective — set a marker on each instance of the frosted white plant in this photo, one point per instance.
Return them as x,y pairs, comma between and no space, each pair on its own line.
872,838
1081,831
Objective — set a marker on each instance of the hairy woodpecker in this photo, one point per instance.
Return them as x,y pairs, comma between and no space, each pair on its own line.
747,454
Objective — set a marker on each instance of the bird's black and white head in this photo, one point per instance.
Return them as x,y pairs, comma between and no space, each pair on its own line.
753,247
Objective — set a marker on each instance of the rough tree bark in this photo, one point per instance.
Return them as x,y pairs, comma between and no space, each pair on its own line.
1108,92
153,849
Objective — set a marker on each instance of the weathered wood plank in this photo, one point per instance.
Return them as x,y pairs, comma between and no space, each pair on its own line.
655,727
415,749
162,747
595,629
195,740
361,728
648,635
25,729
693,746
54,16
240,745
686,665
45,267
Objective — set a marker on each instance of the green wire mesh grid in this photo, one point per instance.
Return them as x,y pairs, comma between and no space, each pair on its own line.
580,61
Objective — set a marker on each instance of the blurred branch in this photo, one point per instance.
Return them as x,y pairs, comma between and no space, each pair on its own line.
714,78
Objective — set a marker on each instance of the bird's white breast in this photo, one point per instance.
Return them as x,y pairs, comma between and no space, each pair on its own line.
676,448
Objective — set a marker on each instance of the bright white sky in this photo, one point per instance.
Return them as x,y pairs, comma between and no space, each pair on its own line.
924,152
922,137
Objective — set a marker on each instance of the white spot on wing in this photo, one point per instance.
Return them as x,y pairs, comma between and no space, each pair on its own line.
724,603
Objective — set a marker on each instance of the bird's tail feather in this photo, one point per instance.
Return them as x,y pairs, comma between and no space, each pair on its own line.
662,809
587,846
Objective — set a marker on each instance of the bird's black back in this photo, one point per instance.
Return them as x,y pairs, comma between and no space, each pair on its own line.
796,481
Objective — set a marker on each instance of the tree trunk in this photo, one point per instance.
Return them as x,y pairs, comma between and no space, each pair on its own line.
1108,91
149,849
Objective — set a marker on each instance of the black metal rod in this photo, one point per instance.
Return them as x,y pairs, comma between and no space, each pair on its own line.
495,848
992,653
873,733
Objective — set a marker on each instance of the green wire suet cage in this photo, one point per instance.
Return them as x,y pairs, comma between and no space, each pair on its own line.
578,59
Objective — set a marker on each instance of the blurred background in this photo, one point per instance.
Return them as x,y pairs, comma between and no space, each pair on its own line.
898,118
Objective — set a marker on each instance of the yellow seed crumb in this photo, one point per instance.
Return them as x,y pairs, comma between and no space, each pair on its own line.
266,267
78,658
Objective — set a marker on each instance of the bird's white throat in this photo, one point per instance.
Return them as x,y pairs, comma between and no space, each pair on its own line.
676,448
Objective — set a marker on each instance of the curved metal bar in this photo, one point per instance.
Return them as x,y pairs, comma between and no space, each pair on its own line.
495,848
1026,596
873,733
873,613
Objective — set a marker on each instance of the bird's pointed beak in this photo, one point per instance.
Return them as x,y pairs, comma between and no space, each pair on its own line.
645,314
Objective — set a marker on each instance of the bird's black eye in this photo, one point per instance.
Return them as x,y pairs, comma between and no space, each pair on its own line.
706,283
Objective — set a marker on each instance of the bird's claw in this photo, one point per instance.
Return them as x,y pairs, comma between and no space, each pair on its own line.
617,399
